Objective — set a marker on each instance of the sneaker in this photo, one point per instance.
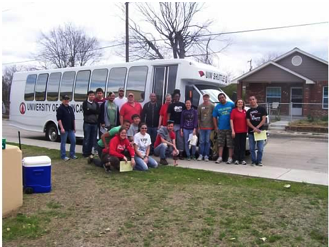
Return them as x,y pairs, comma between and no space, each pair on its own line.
200,157
253,163
106,167
236,162
181,156
259,164
244,163
188,158
206,158
229,161
90,159
163,162
66,159
219,160
193,158
74,157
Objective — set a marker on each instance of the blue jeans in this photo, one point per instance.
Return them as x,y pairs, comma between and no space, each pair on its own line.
186,134
179,138
163,150
204,142
142,166
252,146
89,137
71,135
152,131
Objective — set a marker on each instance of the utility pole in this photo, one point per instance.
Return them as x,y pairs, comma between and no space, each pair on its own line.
127,32
250,61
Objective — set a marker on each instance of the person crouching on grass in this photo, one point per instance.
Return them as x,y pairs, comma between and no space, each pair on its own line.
120,150
142,145
165,144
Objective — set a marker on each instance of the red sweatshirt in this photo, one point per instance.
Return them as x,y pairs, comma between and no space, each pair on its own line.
117,146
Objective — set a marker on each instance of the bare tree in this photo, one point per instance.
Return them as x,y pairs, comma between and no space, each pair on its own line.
177,34
68,46
265,58
7,78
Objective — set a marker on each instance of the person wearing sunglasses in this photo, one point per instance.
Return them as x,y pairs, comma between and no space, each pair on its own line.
142,144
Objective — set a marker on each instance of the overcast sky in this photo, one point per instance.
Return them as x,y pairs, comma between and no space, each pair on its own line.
22,23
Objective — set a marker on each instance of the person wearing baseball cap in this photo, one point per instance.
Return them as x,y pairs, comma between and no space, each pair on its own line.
129,109
206,125
66,124
120,100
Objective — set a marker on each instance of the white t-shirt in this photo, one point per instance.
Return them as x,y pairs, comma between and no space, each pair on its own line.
119,102
143,142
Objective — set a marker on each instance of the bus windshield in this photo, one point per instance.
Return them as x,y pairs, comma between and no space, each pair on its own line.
213,93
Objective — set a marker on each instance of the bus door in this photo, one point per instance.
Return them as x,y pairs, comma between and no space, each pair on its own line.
164,81
192,94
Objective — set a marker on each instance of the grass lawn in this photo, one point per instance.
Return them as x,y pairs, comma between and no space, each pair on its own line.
167,206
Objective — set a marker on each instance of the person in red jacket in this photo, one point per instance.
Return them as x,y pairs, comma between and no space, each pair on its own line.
120,150
239,131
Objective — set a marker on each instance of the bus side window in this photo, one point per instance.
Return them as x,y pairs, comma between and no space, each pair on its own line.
53,86
158,83
40,87
98,79
136,82
81,85
117,79
67,84
29,87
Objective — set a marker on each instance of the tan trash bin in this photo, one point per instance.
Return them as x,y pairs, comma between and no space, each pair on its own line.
12,179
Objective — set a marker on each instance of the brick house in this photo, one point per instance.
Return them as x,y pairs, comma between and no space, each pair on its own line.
297,81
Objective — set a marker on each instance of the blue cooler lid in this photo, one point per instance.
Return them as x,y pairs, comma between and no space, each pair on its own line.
36,161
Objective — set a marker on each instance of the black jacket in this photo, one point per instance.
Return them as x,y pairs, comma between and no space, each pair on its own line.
151,114
90,112
66,115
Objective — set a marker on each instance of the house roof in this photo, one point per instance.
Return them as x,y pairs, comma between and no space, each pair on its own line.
296,49
236,80
273,62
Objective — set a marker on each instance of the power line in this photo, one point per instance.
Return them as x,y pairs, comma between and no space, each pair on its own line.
205,35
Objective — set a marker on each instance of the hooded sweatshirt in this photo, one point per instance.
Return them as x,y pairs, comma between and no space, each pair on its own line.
117,146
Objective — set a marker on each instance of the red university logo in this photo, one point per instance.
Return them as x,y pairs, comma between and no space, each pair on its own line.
22,108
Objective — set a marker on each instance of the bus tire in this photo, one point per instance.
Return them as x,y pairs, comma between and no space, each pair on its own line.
52,133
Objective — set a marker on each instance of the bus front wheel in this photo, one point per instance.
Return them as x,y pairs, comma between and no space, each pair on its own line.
52,133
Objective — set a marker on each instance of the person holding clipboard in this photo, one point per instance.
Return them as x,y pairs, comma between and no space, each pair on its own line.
256,118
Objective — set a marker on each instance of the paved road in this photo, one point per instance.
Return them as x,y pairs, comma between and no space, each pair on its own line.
282,152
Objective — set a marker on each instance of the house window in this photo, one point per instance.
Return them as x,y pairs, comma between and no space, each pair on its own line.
273,94
325,98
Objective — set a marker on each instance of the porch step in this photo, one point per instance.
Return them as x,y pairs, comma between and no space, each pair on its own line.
279,125
277,128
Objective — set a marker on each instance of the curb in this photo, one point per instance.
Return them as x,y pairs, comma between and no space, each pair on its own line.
321,136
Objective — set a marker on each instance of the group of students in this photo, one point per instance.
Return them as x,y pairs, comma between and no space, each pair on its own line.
128,131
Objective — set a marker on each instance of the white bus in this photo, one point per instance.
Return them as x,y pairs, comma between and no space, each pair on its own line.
35,95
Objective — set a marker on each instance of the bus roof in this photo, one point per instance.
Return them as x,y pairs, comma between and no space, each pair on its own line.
129,64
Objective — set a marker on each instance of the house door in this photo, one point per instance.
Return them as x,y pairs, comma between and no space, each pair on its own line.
296,98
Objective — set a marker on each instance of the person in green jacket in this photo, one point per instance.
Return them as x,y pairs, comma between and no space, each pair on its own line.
103,143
